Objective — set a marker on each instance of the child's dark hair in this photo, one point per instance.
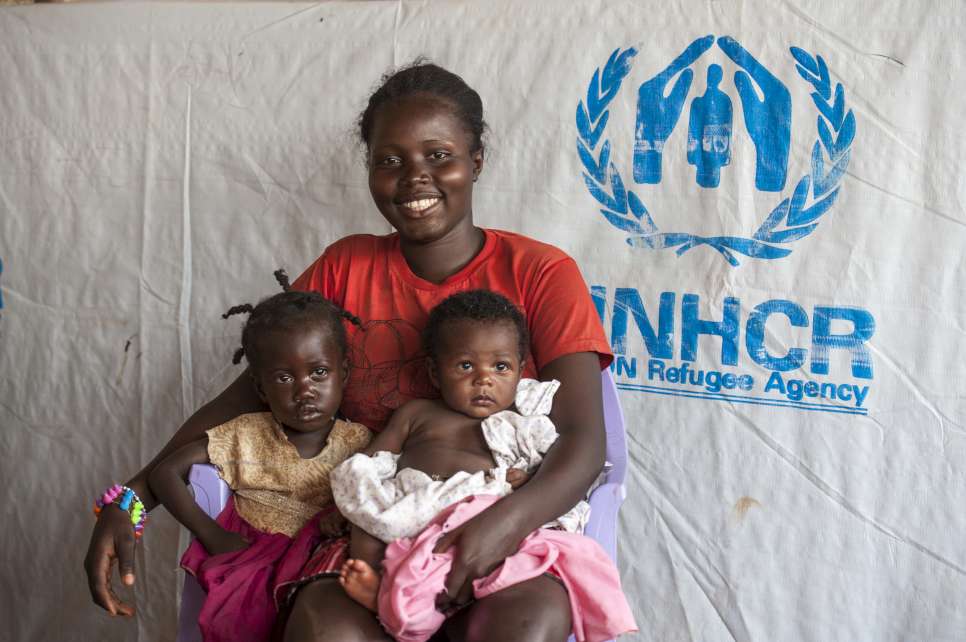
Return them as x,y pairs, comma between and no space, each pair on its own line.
422,77
288,309
482,306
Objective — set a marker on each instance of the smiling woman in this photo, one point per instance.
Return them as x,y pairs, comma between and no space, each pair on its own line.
423,134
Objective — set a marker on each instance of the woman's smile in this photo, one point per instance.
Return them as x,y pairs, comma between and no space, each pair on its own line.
420,206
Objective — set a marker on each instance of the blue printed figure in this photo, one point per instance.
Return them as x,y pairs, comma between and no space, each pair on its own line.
769,120
657,114
709,131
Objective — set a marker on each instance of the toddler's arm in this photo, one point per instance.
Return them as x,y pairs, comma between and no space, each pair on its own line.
167,482
332,524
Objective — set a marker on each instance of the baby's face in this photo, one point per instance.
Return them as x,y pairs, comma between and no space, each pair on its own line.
477,366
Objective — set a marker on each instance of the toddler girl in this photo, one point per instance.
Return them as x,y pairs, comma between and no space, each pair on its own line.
277,463
440,462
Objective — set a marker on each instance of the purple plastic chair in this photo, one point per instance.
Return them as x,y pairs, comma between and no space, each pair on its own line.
212,493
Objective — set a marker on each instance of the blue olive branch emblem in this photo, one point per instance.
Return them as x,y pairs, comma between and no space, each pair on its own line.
793,218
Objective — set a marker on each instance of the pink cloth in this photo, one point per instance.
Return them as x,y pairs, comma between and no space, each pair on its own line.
239,606
414,576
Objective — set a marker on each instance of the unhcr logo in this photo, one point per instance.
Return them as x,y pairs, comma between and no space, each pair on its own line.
766,108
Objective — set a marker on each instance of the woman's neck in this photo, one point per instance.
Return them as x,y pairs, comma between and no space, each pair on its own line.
438,260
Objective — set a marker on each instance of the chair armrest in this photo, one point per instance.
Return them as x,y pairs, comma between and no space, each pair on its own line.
210,491
211,494
605,501
615,427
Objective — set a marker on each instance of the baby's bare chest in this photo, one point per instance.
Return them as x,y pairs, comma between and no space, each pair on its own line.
445,447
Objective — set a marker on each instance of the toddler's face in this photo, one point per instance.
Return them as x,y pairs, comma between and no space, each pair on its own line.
301,374
477,366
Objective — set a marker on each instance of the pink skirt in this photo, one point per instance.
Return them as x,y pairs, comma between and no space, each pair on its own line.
414,575
243,586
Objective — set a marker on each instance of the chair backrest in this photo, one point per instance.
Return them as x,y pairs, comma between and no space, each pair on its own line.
614,425
606,499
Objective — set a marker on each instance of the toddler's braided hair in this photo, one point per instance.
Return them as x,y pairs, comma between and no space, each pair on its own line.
481,306
289,308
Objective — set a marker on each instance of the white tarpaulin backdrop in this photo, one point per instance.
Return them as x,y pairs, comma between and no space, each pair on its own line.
764,198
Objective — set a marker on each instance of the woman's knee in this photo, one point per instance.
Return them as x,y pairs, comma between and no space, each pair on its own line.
322,612
534,611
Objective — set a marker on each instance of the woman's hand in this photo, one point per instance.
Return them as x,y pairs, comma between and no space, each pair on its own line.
112,540
221,541
113,536
481,544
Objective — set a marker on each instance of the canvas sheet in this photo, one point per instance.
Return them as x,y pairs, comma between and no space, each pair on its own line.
764,198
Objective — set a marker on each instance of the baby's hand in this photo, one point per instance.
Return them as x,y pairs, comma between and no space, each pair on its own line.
332,524
222,541
516,477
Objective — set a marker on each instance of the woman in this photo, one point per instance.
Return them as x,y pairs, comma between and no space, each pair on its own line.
423,132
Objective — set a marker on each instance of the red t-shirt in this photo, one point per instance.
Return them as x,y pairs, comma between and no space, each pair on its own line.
368,276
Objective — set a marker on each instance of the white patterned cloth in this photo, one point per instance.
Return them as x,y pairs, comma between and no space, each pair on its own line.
389,504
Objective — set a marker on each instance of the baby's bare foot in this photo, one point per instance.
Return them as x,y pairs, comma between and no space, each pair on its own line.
361,583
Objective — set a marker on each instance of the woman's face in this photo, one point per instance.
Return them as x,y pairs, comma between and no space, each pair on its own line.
421,169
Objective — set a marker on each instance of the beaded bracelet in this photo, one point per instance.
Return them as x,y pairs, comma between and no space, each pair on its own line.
128,501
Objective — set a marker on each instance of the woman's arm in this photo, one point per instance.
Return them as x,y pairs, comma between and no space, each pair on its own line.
168,480
567,471
577,457
237,399
113,537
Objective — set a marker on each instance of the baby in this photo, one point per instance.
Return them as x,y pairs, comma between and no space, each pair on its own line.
441,461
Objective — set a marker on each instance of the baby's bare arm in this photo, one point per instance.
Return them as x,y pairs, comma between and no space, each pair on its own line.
365,547
362,545
394,435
